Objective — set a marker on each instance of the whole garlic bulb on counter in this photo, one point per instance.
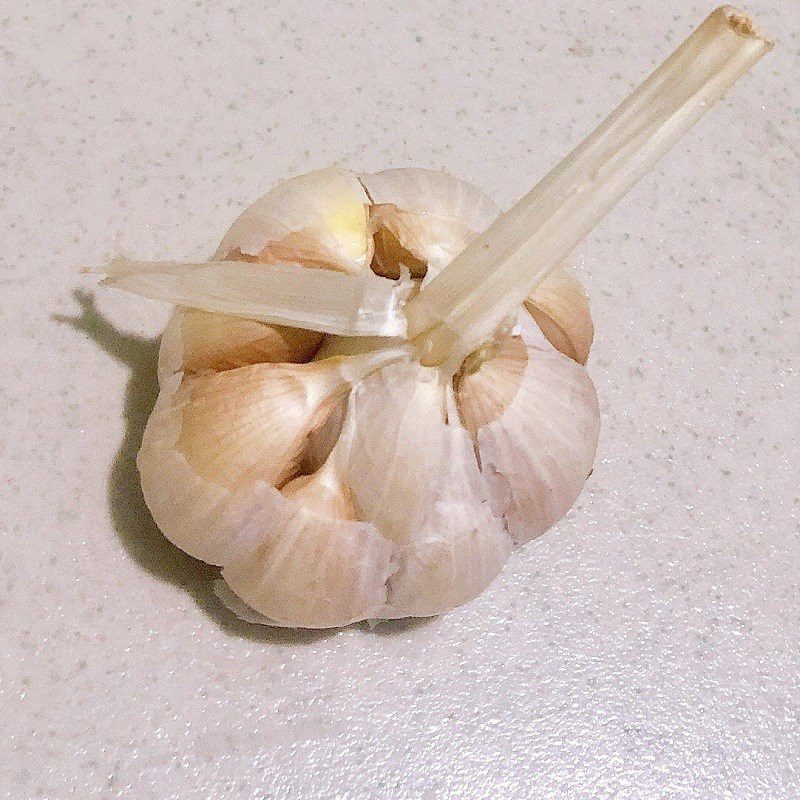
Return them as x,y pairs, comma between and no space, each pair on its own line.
374,390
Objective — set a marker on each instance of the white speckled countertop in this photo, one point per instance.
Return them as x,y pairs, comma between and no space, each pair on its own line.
647,647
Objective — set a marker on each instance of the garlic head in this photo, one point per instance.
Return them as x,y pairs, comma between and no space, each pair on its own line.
336,478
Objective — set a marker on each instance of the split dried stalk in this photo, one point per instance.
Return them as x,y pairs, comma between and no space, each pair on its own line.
481,287
348,304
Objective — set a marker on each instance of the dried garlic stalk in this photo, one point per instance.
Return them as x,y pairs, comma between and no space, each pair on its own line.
367,396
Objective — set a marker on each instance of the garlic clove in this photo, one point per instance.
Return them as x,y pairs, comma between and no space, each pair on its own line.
489,380
536,436
186,507
312,572
251,423
211,438
323,493
561,309
395,446
286,555
318,219
395,242
420,243
200,341
422,218
460,547
304,569
413,473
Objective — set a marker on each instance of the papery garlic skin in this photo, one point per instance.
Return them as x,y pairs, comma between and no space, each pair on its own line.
184,505
280,293
303,569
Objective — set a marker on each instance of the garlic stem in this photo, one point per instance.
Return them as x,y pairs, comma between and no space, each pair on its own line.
464,304
322,300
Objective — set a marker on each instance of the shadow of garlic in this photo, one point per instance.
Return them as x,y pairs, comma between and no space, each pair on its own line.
374,390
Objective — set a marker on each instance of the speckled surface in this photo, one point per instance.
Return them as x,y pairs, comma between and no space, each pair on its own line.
647,647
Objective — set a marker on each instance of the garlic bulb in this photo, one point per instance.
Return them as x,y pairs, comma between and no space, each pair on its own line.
369,397
323,510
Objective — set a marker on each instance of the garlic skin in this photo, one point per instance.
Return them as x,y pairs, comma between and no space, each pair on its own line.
301,568
537,449
449,545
